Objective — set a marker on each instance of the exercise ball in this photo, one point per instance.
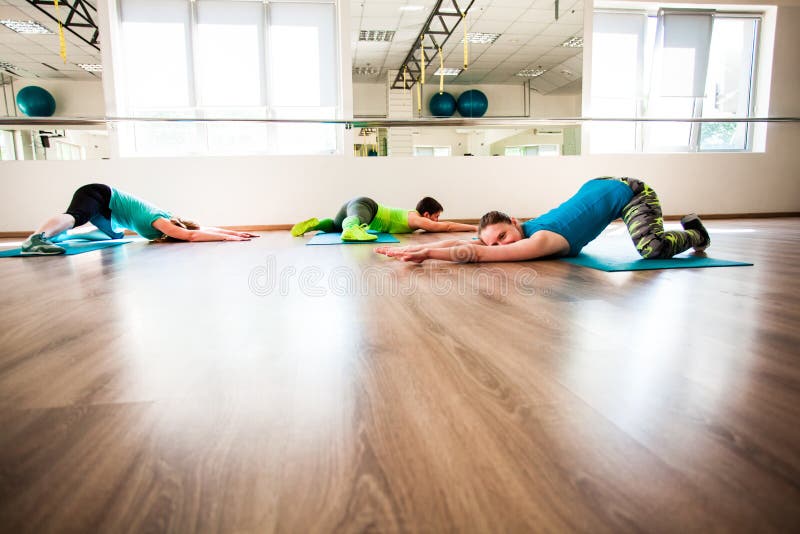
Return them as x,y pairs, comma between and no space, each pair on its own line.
34,101
442,105
472,103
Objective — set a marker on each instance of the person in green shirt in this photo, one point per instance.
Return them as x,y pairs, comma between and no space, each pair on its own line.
112,211
361,214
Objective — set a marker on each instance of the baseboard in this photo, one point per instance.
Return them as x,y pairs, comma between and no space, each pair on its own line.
284,227
765,215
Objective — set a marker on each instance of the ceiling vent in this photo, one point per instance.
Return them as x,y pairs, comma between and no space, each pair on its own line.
382,36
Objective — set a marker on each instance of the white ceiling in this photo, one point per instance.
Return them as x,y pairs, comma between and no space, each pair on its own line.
530,37
31,54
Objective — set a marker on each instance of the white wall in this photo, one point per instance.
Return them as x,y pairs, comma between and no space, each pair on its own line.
784,97
284,189
369,100
73,99
555,106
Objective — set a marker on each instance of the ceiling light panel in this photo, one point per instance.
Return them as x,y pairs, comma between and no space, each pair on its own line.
531,73
383,36
25,26
481,38
447,72
91,67
365,71
575,42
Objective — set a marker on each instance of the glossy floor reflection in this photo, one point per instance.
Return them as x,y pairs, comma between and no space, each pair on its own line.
268,386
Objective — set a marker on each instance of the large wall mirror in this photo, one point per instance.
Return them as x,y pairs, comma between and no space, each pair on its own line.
523,59
247,59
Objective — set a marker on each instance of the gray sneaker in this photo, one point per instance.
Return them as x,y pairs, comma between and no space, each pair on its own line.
38,244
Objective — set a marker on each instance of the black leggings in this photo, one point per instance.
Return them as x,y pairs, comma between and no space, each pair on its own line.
88,202
362,207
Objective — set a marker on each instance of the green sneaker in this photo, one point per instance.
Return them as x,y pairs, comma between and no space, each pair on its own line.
305,226
358,233
38,244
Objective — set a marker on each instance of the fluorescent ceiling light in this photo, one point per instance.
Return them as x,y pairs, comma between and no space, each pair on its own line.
482,38
575,42
25,26
531,73
376,35
4,65
91,67
412,8
365,71
447,72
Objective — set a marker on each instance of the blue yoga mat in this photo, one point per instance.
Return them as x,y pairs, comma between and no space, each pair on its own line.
94,235
335,238
626,262
72,246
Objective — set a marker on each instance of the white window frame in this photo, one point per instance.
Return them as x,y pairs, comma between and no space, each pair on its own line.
697,107
194,107
433,149
531,145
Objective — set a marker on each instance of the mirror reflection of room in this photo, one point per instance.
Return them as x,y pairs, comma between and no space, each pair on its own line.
518,59
511,60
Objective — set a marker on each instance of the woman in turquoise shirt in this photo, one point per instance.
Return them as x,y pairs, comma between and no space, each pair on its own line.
565,230
112,211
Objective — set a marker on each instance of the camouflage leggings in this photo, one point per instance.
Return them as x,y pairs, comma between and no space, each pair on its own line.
642,216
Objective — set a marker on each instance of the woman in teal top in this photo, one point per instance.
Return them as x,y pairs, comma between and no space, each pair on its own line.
360,214
565,230
112,211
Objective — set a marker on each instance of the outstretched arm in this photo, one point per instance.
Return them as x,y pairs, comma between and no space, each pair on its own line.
399,251
416,221
203,234
541,244
229,232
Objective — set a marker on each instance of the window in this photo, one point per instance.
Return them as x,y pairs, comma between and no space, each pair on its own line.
533,150
7,151
239,59
672,64
432,150
67,151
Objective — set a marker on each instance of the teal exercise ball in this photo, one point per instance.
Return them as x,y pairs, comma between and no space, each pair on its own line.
442,105
472,103
34,101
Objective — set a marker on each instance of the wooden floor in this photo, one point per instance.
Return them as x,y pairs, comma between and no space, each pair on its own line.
274,387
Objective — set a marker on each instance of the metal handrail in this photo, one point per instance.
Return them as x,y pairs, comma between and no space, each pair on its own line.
377,123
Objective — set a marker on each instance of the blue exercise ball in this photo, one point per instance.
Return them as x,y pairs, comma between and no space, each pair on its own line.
34,101
472,103
442,105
